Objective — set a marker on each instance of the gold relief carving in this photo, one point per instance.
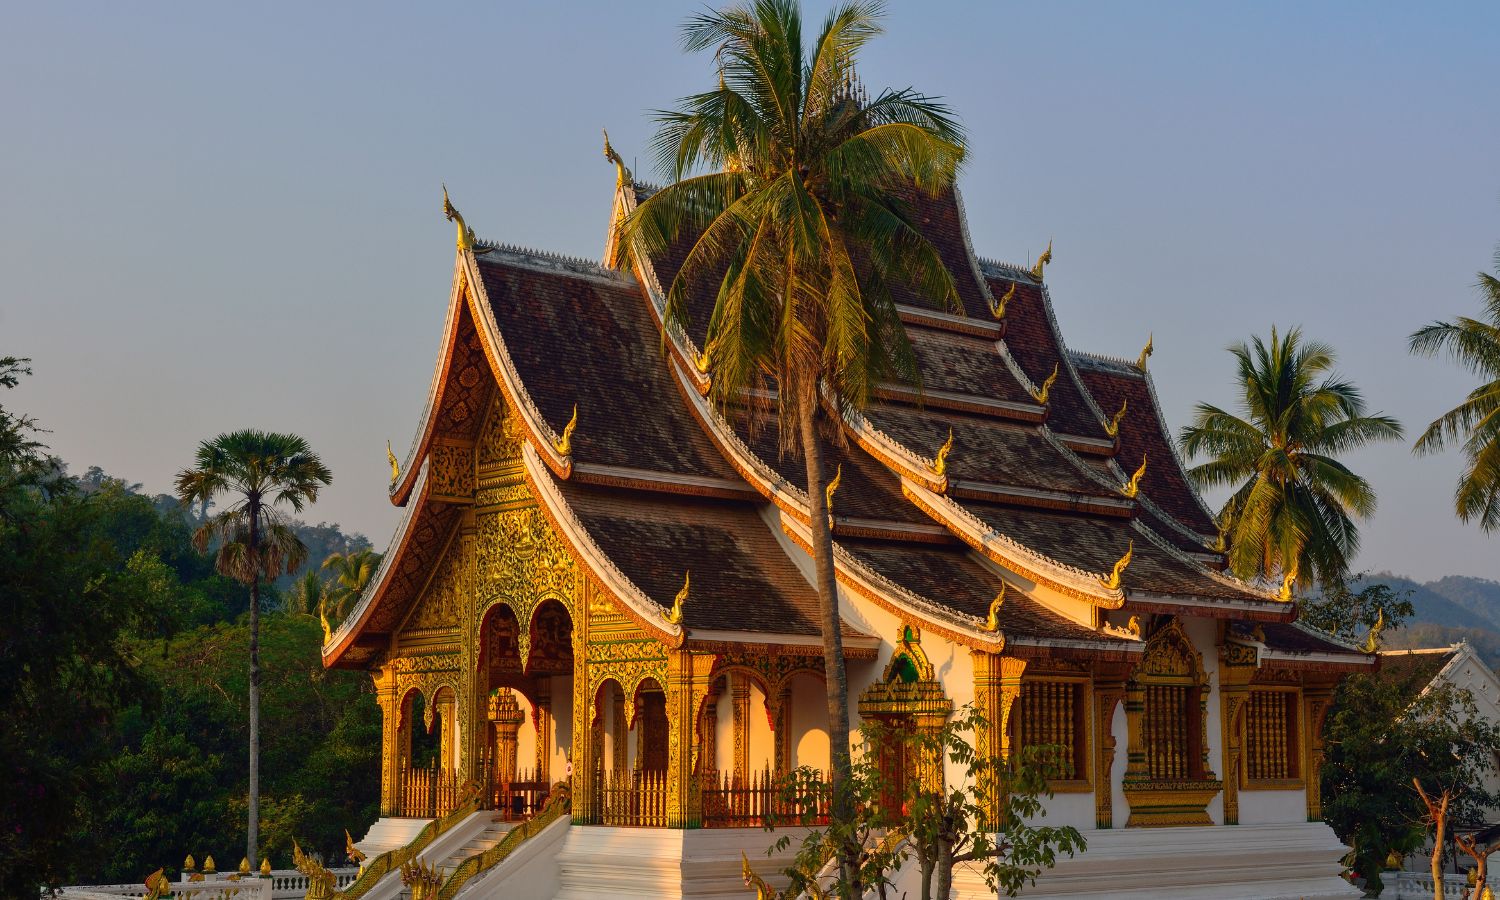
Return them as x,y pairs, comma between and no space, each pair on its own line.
687,686
1107,695
502,494
452,470
501,437
1317,699
1168,781
521,563
442,601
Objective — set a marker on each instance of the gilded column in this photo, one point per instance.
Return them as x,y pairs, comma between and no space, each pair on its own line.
687,686
710,738
739,694
1108,692
390,749
473,688
1237,664
997,684
781,722
619,737
541,723
1317,698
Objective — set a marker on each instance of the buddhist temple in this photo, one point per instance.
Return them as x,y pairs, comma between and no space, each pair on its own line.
604,580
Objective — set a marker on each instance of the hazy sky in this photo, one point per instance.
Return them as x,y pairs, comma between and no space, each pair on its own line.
218,216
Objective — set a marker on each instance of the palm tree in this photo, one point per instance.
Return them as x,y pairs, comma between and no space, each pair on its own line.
352,571
309,594
1291,516
1475,345
789,181
260,471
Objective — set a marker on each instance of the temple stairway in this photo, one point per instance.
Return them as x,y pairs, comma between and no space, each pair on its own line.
444,848
491,835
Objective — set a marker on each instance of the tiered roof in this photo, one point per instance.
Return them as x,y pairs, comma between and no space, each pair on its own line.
657,482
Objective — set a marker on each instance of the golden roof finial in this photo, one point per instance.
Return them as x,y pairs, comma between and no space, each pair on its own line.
1288,581
622,174
1041,394
1113,581
564,445
992,623
395,463
1133,487
940,462
465,240
833,485
997,307
1146,352
327,630
701,362
1133,626
1112,427
675,616
1042,261
1372,640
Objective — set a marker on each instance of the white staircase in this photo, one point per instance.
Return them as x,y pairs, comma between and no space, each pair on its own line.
482,840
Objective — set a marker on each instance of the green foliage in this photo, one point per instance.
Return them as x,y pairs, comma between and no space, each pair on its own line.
1294,503
987,814
1384,731
1473,424
1347,613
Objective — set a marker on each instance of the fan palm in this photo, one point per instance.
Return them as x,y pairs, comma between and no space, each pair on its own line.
788,181
352,571
260,471
1475,345
1292,512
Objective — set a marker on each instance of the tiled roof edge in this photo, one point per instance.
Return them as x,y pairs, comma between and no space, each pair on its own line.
546,261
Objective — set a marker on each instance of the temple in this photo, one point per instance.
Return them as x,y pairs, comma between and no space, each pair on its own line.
603,580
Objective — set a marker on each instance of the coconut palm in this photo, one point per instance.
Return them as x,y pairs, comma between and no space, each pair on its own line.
1291,516
787,179
258,472
309,594
1475,345
352,571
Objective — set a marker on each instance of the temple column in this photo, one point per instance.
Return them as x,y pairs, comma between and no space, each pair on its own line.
506,713
1237,666
1108,692
619,737
687,686
541,722
781,725
1317,699
739,694
709,750
390,732
997,685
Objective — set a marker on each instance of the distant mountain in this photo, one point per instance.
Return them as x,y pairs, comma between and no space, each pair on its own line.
1439,608
1451,609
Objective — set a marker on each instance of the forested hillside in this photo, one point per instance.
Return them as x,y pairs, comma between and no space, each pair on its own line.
1450,609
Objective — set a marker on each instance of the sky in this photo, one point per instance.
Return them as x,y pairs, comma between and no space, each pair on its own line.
219,216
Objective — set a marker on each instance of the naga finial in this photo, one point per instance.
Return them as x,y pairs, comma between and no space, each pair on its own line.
675,616
1042,262
833,485
159,885
1041,394
564,445
992,622
355,855
1146,352
940,462
622,174
763,891
395,463
701,362
465,239
1372,640
1132,488
1113,581
1112,427
1133,627
997,307
1288,581
327,630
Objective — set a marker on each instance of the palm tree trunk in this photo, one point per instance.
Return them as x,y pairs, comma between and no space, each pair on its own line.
252,838
835,677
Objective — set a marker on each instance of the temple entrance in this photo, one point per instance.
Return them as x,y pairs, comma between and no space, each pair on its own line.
631,746
428,782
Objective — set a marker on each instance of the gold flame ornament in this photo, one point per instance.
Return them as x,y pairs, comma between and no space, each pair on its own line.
622,174
564,445
1132,487
1146,352
465,239
1372,640
1133,627
675,616
244,865
1112,427
265,867
1288,582
327,629
701,362
833,485
997,307
1042,262
992,622
189,864
395,463
1041,394
1113,581
940,462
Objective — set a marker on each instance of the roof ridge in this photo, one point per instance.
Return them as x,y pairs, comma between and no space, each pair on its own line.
1101,361
989,265
532,256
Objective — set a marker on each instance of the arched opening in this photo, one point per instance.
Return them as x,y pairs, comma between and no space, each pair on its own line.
907,699
631,747
427,783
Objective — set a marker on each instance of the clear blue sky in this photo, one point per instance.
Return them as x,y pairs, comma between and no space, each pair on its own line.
216,216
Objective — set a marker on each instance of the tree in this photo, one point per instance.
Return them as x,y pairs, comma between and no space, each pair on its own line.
1291,516
352,572
1475,345
1351,614
798,220
260,471
986,815
66,605
1384,731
